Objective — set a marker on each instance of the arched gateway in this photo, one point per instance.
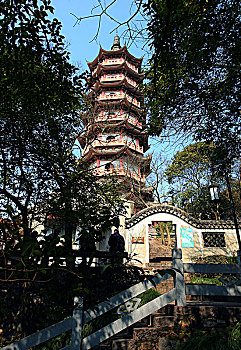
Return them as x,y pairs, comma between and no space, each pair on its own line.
172,226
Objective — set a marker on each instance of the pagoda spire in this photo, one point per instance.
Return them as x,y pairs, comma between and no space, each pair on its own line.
116,44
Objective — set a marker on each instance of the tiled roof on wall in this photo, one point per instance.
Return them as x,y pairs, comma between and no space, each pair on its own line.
181,214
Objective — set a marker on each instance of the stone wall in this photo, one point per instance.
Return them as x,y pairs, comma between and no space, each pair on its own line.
189,234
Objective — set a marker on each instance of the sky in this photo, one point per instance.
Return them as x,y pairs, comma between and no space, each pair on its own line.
80,36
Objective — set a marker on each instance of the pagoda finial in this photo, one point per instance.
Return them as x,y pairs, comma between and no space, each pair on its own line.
116,44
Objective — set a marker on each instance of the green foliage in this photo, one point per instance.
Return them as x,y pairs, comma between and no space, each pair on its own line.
209,278
194,79
234,340
163,227
148,296
190,174
216,259
203,340
199,279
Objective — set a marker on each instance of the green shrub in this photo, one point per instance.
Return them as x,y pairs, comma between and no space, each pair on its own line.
149,295
203,340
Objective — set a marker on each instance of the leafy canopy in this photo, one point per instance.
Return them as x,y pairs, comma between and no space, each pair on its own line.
194,81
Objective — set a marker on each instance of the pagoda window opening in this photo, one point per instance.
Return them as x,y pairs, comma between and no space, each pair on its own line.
110,138
109,167
111,93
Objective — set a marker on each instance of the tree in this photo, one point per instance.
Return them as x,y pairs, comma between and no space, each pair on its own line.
41,180
42,95
157,178
194,79
40,102
191,173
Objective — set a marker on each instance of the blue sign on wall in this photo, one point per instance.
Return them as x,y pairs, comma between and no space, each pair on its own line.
187,238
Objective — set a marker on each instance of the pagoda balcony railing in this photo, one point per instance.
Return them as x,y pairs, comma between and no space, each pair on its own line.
117,117
113,143
117,142
112,77
132,66
118,95
132,82
117,77
115,61
110,62
119,172
132,100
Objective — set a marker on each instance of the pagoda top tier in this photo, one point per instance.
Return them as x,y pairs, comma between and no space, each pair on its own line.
116,50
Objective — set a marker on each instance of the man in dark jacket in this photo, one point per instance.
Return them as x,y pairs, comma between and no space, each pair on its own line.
116,242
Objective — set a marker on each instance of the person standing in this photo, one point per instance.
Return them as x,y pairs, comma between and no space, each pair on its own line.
117,244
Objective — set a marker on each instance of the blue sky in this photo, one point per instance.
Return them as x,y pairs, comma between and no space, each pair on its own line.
80,35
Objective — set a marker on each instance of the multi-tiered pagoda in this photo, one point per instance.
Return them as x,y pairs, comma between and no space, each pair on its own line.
115,140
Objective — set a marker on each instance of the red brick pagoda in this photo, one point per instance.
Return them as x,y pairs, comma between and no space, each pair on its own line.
115,140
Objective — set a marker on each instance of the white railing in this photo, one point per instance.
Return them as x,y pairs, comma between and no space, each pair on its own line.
128,298
79,318
118,77
112,61
114,77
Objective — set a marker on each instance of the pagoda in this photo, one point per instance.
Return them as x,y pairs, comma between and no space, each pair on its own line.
115,140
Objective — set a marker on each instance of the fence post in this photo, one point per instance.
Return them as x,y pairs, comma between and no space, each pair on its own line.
76,340
179,278
239,256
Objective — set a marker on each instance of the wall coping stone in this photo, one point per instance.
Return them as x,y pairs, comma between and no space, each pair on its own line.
181,214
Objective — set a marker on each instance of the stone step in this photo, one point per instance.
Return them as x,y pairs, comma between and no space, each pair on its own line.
127,333
121,344
163,321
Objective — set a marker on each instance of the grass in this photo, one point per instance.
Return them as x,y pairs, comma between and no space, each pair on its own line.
195,279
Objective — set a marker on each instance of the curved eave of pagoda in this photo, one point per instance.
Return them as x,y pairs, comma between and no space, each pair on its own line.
123,123
93,152
135,128
111,53
99,105
144,160
81,140
124,100
99,85
106,68
102,67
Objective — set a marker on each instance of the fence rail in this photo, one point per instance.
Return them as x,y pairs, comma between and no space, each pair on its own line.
212,268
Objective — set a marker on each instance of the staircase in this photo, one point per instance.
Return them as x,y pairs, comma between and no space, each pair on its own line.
172,322
160,259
